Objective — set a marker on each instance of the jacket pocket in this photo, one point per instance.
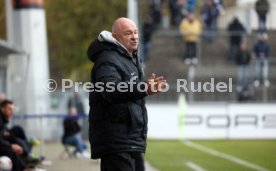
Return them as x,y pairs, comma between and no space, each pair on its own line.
136,118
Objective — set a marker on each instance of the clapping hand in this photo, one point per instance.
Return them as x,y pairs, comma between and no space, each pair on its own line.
156,84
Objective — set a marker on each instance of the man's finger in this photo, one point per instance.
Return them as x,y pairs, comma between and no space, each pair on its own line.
152,76
162,81
159,79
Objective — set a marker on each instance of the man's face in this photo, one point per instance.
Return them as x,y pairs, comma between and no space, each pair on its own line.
243,47
191,17
127,35
262,38
8,110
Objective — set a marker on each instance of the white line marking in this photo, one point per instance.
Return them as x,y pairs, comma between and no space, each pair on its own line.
194,166
149,167
225,156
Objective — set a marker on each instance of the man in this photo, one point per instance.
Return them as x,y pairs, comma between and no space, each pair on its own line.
7,148
262,8
236,31
118,119
190,29
148,29
11,142
75,101
72,134
209,14
261,52
243,57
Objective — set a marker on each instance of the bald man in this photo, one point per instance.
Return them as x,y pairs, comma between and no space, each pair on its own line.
118,116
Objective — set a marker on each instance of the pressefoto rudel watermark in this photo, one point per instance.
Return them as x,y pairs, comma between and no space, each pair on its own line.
182,85
207,87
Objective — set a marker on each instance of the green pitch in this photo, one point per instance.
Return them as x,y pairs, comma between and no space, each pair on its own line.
219,155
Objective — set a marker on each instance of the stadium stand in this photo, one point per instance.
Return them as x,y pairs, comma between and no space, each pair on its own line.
166,59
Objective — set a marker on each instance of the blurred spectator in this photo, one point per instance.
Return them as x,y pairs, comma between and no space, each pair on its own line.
243,57
190,28
174,12
11,145
75,101
261,51
178,10
12,150
191,5
181,10
147,30
72,136
209,15
236,31
262,8
220,6
155,11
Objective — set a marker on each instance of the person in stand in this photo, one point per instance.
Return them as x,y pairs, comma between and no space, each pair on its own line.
209,14
173,11
261,52
236,31
243,58
262,8
190,28
148,29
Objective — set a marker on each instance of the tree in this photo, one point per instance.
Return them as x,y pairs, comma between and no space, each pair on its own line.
2,20
71,26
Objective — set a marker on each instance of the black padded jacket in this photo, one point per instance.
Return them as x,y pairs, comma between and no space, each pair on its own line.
3,142
117,120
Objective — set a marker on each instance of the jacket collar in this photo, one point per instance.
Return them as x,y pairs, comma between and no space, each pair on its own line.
106,36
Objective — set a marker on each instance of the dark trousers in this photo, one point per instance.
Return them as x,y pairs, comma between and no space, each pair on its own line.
233,49
17,163
126,161
190,50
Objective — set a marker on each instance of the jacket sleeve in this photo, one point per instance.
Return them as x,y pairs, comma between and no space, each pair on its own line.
108,73
4,143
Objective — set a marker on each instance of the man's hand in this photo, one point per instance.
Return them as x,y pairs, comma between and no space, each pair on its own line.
155,84
17,149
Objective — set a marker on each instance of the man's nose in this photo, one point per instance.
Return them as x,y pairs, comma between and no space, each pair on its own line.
134,36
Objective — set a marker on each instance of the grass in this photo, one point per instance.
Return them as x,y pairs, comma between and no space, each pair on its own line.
173,155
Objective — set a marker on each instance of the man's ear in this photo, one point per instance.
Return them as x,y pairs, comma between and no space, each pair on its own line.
114,35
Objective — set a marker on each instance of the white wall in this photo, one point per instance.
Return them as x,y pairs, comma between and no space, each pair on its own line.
212,121
244,2
247,15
